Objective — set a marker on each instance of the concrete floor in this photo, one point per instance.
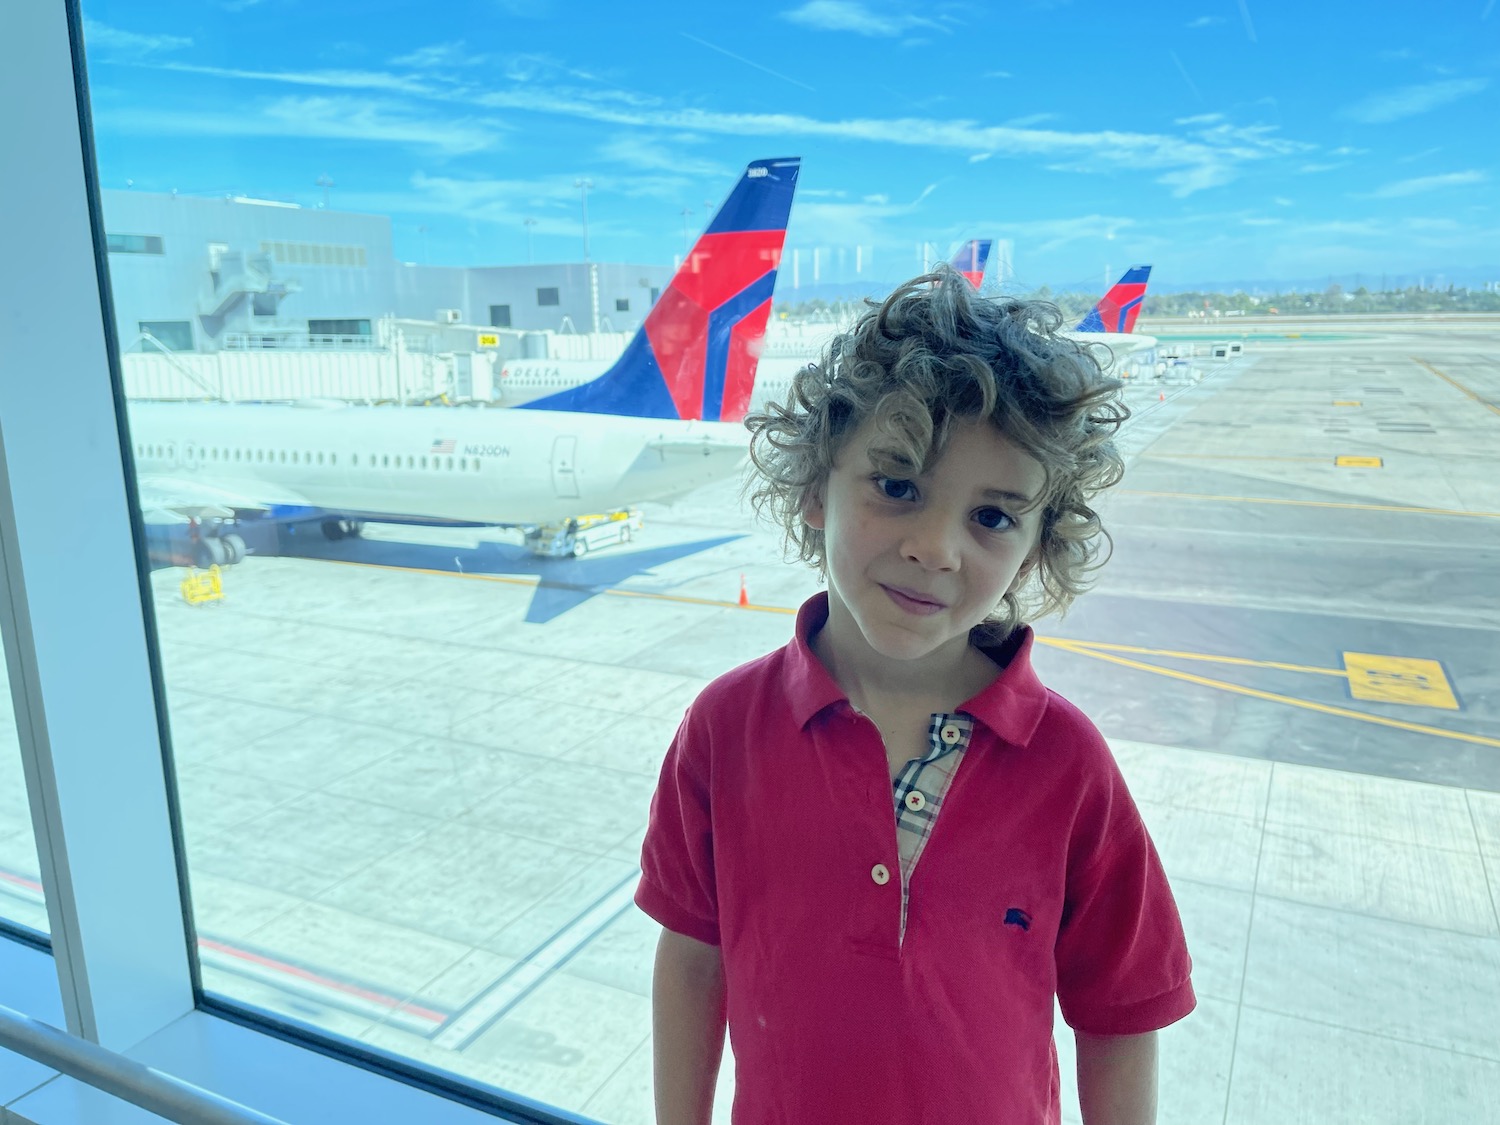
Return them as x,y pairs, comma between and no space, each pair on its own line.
412,815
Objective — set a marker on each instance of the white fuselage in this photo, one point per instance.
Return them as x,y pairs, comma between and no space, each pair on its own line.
441,463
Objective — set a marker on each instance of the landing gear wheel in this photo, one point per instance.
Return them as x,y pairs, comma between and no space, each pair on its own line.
234,549
580,548
333,529
210,552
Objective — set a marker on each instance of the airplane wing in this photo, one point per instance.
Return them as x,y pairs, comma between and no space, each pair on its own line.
192,499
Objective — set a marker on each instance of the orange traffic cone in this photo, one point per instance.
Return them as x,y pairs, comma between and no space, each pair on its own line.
1161,396
744,597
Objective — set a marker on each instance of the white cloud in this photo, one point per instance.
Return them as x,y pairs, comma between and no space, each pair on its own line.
1319,167
976,157
1211,156
1423,155
1401,188
1282,201
1199,119
1205,21
851,15
1029,120
440,56
653,154
1409,101
1053,234
112,41
997,74
341,118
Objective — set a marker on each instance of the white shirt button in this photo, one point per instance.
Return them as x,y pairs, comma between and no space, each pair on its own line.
881,874
950,733
915,801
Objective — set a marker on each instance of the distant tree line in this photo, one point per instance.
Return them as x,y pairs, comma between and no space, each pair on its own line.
1333,299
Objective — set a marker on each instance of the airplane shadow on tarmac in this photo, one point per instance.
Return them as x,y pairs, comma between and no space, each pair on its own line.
562,583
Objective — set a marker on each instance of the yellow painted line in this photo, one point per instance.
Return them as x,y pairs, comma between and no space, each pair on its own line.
1310,503
1276,697
1346,402
1447,378
1399,679
1233,457
1173,654
1347,462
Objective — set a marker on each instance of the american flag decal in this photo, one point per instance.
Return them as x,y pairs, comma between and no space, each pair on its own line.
441,447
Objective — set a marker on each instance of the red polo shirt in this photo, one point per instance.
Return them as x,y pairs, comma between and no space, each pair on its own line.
773,836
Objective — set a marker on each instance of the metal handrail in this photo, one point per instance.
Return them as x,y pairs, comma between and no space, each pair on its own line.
125,1078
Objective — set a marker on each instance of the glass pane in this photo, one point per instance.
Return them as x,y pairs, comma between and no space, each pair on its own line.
22,903
433,596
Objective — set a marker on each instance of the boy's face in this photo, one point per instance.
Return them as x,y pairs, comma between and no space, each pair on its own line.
918,562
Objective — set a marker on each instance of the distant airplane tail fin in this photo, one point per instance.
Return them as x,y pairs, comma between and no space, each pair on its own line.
696,353
971,258
1118,309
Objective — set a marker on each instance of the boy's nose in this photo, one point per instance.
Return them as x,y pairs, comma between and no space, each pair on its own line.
932,543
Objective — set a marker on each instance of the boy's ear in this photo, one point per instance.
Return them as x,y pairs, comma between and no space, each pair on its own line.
812,510
1027,567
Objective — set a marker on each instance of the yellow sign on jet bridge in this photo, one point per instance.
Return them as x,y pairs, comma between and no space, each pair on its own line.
1399,679
1346,462
489,339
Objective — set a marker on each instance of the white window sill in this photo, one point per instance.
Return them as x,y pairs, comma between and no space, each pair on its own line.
258,1070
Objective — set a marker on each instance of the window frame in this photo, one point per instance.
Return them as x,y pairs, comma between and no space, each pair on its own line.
81,647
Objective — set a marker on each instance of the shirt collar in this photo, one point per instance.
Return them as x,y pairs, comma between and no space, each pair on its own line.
1011,706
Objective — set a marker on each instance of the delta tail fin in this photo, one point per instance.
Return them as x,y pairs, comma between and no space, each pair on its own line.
696,353
971,258
1118,309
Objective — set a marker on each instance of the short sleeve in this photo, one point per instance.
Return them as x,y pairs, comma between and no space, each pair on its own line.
1122,961
677,885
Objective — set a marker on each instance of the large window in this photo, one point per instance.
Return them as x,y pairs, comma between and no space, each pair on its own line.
421,655
134,243
173,335
338,327
22,901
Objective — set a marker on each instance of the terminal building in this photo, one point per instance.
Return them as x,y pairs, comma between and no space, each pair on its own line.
194,274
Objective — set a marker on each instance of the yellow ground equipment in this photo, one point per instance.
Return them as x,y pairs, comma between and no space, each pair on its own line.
201,586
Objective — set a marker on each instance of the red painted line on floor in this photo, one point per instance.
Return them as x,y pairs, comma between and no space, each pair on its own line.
20,881
325,982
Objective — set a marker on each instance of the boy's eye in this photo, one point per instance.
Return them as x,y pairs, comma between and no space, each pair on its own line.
894,489
994,519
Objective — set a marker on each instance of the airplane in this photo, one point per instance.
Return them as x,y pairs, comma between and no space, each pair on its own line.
971,259
1116,311
662,420
1111,321
547,383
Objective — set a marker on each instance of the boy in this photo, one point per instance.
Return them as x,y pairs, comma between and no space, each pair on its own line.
880,852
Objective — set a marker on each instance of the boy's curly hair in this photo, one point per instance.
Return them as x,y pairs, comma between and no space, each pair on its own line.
934,352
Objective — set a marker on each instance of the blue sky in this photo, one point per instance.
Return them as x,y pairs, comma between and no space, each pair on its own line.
1240,140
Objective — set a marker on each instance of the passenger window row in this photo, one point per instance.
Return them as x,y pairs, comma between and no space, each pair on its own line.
294,457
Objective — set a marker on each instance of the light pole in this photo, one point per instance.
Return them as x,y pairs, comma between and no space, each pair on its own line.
584,183
324,182
529,224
